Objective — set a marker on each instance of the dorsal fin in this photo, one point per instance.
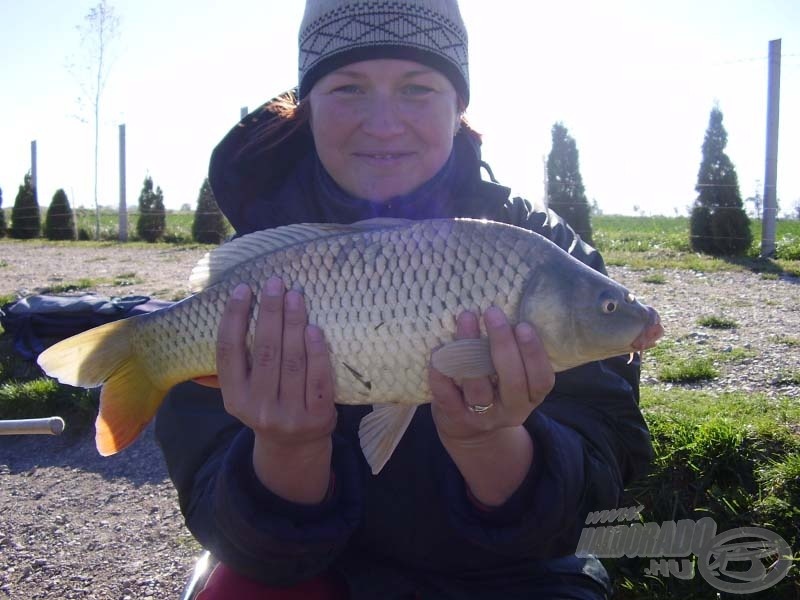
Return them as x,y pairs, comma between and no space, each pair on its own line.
213,266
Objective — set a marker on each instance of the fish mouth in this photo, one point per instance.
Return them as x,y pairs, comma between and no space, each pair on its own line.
651,333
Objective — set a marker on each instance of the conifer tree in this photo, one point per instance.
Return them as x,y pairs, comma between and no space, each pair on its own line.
565,192
2,216
59,223
209,225
25,216
718,223
152,215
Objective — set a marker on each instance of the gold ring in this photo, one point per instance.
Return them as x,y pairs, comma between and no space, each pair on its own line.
479,409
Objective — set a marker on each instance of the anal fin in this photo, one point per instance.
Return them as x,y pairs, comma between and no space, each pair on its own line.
380,432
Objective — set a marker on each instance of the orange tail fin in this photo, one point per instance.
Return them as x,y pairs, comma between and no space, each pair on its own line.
103,356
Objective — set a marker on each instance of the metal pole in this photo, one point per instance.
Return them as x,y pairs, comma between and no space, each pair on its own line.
771,163
48,426
123,207
34,181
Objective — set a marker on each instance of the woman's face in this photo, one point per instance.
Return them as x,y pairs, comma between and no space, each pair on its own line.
383,127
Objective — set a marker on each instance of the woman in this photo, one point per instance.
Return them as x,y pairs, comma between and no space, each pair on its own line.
474,503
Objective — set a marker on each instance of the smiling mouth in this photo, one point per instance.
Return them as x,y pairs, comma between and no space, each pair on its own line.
383,155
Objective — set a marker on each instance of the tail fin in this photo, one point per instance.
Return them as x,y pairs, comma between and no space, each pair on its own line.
103,356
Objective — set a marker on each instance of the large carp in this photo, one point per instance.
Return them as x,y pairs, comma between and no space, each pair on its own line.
386,293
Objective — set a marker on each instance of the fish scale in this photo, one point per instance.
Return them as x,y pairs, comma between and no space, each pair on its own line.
386,293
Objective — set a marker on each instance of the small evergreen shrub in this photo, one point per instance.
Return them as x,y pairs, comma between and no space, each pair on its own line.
209,225
25,217
59,223
565,191
152,215
719,224
2,216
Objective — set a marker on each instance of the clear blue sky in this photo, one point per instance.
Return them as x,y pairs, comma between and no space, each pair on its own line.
633,81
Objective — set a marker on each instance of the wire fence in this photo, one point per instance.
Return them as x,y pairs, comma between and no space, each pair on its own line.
179,225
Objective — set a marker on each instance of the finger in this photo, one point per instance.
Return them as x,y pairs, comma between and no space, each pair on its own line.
293,351
231,347
447,395
319,373
268,340
538,369
475,390
513,383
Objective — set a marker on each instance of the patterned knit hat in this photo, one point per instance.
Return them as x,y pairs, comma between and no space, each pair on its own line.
335,33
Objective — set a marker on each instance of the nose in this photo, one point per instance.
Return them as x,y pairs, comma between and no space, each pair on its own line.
382,118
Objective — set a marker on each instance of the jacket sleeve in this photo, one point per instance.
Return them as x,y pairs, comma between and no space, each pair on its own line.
590,441
256,533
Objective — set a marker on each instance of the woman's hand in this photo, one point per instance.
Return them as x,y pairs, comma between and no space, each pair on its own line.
480,423
283,391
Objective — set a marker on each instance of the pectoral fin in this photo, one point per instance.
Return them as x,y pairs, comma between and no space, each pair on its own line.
380,432
464,359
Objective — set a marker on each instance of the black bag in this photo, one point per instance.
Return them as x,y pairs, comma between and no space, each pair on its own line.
39,321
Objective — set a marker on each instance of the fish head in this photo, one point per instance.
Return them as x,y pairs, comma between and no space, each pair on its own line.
581,316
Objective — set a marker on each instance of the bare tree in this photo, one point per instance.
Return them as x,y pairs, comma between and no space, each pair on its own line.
99,30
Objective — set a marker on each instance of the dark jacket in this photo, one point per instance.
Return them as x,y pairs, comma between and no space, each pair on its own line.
412,527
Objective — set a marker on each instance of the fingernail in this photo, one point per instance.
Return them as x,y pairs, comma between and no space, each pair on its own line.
274,286
240,291
494,317
293,300
524,332
314,333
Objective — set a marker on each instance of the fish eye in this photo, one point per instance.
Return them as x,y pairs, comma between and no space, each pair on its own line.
608,306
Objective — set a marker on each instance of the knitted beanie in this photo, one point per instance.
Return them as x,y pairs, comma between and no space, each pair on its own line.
335,33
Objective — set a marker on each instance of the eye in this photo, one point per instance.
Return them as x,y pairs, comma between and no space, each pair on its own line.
348,89
608,306
415,89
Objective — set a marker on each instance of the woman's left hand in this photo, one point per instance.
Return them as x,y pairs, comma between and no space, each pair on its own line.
524,377
489,444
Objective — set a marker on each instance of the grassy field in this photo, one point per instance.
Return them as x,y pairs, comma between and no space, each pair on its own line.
735,457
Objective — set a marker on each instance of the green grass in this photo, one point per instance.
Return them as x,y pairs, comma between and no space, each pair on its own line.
124,279
656,278
715,322
786,340
788,378
44,397
734,457
25,393
687,370
84,283
644,243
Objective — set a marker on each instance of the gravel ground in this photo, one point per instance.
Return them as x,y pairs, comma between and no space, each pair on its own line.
76,525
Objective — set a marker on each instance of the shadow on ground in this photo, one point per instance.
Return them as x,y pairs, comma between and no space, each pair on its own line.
141,463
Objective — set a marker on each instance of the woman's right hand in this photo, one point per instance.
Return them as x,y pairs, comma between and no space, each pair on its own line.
283,391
